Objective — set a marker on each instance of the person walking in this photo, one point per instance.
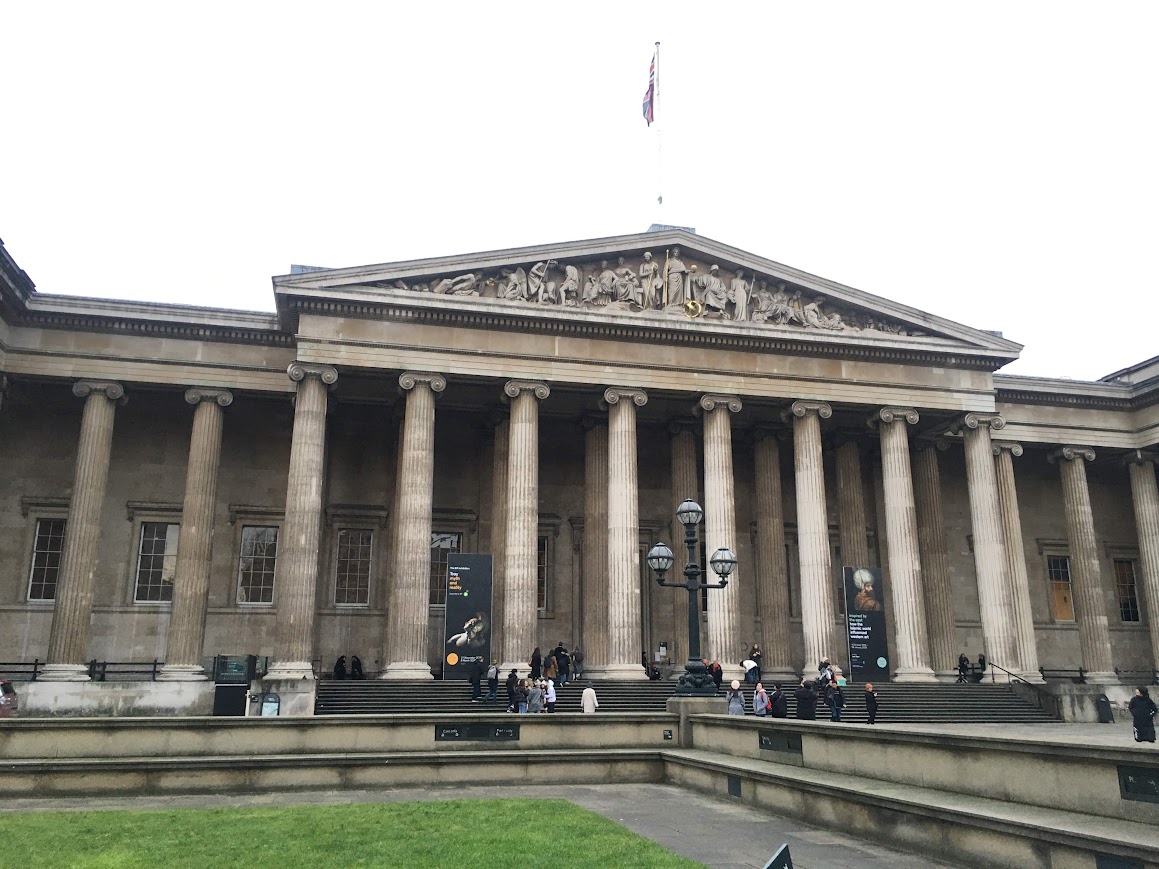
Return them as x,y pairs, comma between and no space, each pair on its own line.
735,699
340,667
512,684
550,696
577,660
589,701
355,667
870,703
963,668
492,682
534,698
778,703
806,702
1143,710
835,697
563,661
760,701
522,695
536,664
475,678
550,667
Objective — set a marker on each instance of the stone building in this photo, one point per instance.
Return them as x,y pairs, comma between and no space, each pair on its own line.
181,482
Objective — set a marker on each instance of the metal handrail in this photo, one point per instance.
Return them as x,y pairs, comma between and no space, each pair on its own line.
21,668
99,670
1153,675
1080,672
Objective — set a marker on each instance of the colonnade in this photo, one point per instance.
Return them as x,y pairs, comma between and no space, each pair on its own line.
921,598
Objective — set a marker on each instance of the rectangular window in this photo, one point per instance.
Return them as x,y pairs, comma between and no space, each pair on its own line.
1058,576
352,571
443,543
259,553
1125,585
541,567
156,562
46,553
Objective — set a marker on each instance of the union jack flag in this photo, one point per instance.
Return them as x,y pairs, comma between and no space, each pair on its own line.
650,94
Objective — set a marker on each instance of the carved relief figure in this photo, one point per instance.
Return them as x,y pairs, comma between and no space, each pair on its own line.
675,274
463,285
627,285
762,303
595,291
652,282
738,294
569,289
514,285
539,288
713,292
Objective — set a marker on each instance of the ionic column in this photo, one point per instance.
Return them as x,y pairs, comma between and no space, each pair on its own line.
68,637
773,579
851,506
1025,645
724,642
498,533
1145,498
595,636
818,604
989,539
938,595
296,569
1090,607
685,484
520,608
410,584
624,640
901,528
186,635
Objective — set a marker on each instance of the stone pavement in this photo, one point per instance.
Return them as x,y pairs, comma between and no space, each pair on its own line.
1116,735
719,833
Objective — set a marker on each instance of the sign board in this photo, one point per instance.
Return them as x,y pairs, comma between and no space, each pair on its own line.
476,732
467,632
865,625
781,860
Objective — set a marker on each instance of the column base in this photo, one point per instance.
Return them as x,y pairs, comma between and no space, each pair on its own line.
401,671
1033,677
521,670
286,670
1111,678
947,676
296,697
182,673
64,673
622,672
780,677
914,674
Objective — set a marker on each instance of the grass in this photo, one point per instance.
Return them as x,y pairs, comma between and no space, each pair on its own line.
465,834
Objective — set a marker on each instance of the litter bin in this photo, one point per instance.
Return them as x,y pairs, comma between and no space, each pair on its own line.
1103,705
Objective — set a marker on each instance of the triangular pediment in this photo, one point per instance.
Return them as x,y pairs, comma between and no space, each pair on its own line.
672,277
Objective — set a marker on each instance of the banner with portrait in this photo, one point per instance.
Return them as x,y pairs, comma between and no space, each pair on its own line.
865,625
467,631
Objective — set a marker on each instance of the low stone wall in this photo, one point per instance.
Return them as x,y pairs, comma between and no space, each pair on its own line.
87,699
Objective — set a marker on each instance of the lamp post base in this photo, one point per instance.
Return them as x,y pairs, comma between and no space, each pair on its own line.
696,681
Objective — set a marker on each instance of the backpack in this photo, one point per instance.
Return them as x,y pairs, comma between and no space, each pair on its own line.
492,672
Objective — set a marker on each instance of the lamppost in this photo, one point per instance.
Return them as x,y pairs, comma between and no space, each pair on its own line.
696,680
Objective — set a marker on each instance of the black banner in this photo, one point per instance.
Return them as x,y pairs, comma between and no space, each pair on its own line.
467,633
865,625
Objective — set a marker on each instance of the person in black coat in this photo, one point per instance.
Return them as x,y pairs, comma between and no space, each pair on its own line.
717,673
870,702
340,667
835,699
806,702
476,679
1143,711
536,664
512,681
778,703
963,668
355,667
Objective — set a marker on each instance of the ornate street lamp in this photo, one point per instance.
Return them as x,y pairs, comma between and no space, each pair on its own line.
696,680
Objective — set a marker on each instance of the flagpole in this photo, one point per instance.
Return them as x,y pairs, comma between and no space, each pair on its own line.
659,141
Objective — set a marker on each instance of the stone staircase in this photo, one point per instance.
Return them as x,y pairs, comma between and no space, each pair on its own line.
908,703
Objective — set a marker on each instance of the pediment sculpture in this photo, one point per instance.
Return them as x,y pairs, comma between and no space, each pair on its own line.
667,285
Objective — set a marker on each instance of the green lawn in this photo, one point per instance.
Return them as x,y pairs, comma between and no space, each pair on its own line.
465,834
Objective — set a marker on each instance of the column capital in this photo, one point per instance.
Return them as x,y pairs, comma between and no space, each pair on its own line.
408,380
1012,447
940,444
497,416
710,401
513,388
975,420
109,389
1141,457
299,371
198,394
613,394
1070,453
893,414
801,408
683,424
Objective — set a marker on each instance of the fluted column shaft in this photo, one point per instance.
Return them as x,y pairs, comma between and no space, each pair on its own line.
818,603
901,528
520,608
1025,645
499,459
624,639
595,643
1145,498
296,569
186,635
410,586
851,506
939,598
1090,607
724,642
989,539
685,484
773,579
69,635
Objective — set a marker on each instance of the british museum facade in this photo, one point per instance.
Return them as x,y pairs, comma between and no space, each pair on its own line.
184,482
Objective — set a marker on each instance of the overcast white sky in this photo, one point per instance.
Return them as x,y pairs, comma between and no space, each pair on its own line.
994,163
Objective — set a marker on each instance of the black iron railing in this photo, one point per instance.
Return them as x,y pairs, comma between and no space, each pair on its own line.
1138,677
21,671
1078,676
